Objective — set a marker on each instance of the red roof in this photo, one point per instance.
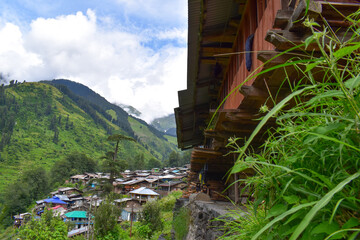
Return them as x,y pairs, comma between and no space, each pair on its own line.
56,207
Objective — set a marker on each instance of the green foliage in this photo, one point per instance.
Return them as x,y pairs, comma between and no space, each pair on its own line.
112,166
106,216
73,163
32,185
156,146
242,224
153,163
138,162
47,227
151,216
307,173
111,163
144,231
36,181
167,203
174,159
181,223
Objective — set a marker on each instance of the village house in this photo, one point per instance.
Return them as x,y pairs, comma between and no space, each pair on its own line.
54,201
172,186
144,194
21,219
135,212
227,41
58,210
79,219
66,191
129,207
81,178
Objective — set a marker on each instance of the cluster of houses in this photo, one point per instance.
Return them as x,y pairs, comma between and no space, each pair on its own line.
139,187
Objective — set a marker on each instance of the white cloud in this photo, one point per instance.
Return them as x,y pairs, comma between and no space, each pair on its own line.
13,55
115,63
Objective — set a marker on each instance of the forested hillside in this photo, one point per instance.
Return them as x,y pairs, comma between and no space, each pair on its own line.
41,124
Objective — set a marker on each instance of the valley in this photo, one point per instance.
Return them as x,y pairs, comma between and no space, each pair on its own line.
41,123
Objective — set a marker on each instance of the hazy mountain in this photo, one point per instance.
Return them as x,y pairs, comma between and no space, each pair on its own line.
129,109
165,124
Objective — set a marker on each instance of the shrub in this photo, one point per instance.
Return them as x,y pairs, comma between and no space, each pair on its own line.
151,216
181,223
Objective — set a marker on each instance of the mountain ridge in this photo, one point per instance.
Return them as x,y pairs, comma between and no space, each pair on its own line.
41,123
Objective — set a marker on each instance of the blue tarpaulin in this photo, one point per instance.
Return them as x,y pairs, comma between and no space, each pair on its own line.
54,200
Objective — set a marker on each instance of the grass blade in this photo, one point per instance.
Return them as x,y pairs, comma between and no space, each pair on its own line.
320,204
334,140
343,230
282,216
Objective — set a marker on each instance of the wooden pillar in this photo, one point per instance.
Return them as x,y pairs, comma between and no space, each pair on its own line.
284,4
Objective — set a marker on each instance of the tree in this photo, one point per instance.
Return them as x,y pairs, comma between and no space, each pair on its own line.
16,199
139,162
48,227
106,216
117,138
185,157
37,182
56,135
73,163
153,163
114,167
174,159
151,216
30,187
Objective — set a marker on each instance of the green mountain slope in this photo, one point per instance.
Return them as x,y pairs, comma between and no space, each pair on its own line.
41,123
160,147
156,141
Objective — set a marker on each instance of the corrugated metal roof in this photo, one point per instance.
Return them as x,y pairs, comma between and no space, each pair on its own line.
76,214
134,181
144,191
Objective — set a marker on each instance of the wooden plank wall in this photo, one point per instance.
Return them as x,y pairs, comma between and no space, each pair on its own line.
258,20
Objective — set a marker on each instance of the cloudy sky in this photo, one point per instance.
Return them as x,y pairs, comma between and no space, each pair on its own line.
129,51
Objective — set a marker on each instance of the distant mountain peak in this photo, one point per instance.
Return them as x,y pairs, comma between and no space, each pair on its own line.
129,109
165,124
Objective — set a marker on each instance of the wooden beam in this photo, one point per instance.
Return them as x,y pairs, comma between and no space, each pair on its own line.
215,50
282,18
219,38
345,9
206,151
213,61
313,12
253,93
284,40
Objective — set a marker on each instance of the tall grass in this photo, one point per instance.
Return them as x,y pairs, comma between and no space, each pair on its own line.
307,172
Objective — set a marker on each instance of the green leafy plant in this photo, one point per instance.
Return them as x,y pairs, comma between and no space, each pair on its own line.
47,227
181,223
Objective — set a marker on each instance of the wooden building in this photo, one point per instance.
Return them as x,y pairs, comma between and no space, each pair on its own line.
228,40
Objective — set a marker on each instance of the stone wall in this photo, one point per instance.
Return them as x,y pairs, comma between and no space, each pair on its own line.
203,212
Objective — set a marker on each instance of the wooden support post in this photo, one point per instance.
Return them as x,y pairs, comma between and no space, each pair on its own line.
284,4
